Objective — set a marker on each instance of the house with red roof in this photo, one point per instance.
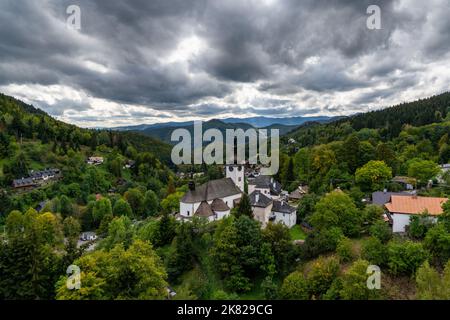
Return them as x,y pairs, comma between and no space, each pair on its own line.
401,208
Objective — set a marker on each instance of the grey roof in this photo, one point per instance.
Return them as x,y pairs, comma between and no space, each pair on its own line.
297,193
24,182
46,172
211,190
219,205
267,182
282,206
263,201
381,197
204,210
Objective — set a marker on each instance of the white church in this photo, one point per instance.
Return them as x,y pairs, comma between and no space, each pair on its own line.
215,199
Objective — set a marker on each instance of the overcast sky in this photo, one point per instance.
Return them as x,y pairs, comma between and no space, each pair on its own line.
145,61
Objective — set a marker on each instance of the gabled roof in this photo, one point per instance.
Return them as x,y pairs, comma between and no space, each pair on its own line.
282,206
415,205
267,182
211,190
299,192
263,201
219,205
24,182
204,210
381,197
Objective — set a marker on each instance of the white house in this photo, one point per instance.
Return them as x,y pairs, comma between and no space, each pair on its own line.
265,209
267,185
95,161
88,236
284,213
401,208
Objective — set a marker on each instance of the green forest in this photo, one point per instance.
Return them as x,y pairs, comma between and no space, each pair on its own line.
143,252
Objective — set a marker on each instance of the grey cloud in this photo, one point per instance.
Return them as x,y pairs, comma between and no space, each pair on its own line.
245,43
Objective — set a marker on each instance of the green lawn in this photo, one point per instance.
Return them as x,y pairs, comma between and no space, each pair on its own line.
297,233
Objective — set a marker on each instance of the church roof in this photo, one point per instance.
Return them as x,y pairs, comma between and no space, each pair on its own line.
211,190
204,210
219,205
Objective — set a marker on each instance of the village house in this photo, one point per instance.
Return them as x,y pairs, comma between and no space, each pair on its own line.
24,184
129,164
267,185
36,178
265,209
95,161
380,198
401,208
298,193
44,175
88,236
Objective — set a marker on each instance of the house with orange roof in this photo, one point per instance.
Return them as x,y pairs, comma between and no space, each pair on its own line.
400,208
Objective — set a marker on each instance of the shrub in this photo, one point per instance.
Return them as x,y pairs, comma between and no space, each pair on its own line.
405,257
322,275
295,287
344,250
319,242
354,283
381,230
374,251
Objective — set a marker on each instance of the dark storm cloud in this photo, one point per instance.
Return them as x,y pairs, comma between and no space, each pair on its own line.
283,48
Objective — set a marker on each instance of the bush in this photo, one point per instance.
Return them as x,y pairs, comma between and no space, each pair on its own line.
295,287
437,240
321,276
270,288
419,226
354,283
374,251
344,250
372,213
319,242
405,257
381,230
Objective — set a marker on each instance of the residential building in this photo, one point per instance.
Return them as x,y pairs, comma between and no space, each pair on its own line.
88,236
24,184
266,209
401,208
95,161
298,193
382,197
267,185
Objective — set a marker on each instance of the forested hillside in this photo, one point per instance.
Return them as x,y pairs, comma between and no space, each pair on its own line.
130,198
389,121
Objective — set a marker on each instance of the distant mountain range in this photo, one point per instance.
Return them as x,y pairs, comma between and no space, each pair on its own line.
163,131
